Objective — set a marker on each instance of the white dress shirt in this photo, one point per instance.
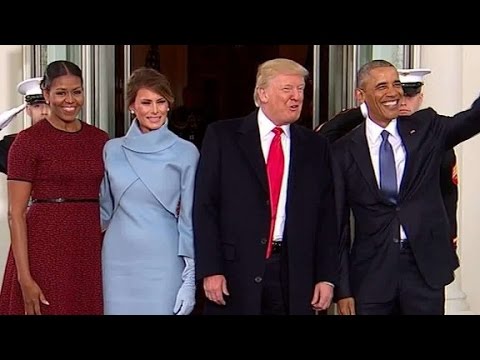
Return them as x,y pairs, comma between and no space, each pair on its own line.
265,126
374,139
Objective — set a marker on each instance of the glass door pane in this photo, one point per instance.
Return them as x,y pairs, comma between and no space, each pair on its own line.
344,62
97,63
396,54
49,53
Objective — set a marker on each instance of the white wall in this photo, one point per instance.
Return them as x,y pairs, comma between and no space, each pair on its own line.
11,73
470,186
451,87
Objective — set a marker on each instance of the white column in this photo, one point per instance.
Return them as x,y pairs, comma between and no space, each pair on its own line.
444,92
469,178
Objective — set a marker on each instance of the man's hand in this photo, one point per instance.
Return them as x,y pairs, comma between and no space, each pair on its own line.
322,296
215,287
346,306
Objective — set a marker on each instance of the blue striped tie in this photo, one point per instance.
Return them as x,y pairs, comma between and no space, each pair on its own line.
388,173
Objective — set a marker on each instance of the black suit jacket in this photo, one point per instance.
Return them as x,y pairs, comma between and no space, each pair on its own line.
232,215
449,188
345,121
369,267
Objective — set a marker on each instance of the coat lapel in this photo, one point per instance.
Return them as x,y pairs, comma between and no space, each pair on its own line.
249,142
411,141
361,154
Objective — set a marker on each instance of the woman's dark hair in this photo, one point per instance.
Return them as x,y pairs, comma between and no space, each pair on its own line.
150,79
59,68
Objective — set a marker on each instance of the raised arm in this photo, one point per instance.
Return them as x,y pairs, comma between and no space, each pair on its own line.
7,116
461,126
341,124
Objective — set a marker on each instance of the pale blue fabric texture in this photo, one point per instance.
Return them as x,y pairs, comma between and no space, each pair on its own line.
147,239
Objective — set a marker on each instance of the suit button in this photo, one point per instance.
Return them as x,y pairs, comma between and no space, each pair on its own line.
267,202
258,279
263,241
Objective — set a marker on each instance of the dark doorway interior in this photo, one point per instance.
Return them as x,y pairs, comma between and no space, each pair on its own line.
215,82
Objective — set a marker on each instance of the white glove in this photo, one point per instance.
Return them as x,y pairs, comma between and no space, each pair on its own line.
186,294
7,116
364,110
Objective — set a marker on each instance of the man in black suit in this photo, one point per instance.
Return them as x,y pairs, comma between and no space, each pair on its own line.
412,84
265,234
387,174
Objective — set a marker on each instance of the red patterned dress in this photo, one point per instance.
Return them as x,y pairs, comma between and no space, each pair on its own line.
64,239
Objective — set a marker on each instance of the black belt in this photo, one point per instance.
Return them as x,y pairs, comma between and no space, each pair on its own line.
63,200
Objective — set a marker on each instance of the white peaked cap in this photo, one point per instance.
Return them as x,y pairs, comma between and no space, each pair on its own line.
30,87
412,75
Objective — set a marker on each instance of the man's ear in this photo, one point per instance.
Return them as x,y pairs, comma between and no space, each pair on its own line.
420,98
262,95
359,95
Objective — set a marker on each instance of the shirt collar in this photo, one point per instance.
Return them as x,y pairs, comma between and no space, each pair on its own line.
265,125
374,131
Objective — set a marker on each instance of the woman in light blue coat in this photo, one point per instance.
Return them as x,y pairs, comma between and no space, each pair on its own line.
146,208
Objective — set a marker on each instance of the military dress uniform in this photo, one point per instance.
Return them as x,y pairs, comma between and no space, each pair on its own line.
29,88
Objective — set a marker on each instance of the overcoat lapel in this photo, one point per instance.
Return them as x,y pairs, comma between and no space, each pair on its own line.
249,142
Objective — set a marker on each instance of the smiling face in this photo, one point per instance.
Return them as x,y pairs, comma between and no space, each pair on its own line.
66,98
151,109
282,99
382,91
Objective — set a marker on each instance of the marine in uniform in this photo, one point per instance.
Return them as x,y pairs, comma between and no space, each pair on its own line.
36,108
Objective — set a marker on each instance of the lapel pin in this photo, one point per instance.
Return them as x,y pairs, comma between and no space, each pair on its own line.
413,132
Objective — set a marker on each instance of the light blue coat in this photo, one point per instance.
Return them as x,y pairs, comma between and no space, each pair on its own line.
146,177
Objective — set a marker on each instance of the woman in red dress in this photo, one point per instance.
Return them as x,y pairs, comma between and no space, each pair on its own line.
53,266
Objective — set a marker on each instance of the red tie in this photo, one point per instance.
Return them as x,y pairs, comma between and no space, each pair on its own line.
275,165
